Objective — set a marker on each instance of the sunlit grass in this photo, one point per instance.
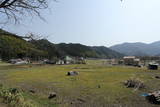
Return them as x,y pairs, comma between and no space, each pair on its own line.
96,83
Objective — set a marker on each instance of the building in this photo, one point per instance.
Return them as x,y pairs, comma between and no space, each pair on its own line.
114,61
68,60
71,60
153,66
60,62
65,60
136,62
79,60
131,60
18,61
120,62
128,60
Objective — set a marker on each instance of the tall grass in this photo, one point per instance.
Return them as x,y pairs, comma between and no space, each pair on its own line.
14,98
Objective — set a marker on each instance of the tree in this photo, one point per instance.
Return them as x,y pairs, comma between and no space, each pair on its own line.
33,37
14,9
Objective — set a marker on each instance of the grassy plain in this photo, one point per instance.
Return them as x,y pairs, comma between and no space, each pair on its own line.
97,84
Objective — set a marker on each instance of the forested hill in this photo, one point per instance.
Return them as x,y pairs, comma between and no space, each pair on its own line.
71,49
13,46
76,50
87,51
105,52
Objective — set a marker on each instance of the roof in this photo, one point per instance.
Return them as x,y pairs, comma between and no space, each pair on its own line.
129,57
67,58
153,64
136,59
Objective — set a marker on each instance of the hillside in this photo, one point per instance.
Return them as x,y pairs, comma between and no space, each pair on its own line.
76,50
13,46
80,50
87,51
138,49
105,52
48,47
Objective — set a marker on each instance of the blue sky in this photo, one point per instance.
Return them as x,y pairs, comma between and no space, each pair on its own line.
96,22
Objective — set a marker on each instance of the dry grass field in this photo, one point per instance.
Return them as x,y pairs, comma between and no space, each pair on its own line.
97,84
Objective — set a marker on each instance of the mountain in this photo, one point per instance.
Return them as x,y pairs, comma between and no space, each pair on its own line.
87,51
76,50
105,52
14,46
80,50
138,49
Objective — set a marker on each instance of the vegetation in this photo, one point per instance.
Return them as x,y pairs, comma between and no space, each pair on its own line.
96,85
106,52
76,50
46,46
14,98
13,46
14,9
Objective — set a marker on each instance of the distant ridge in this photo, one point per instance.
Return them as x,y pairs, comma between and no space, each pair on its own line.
76,50
138,48
14,46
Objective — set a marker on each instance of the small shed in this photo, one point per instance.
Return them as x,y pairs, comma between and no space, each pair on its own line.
47,61
68,60
120,62
129,60
18,61
79,60
136,62
60,62
153,66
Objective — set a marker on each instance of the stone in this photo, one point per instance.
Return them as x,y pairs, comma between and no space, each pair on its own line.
154,97
158,77
72,73
52,95
32,91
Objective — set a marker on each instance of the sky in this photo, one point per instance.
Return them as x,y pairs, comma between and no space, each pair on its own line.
95,22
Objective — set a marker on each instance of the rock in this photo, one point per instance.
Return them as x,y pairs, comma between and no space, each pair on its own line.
158,77
72,73
81,100
52,95
134,83
99,86
154,97
32,91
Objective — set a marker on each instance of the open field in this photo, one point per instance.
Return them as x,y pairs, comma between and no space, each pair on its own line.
97,85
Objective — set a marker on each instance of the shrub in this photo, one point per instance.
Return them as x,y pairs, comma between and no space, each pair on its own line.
14,98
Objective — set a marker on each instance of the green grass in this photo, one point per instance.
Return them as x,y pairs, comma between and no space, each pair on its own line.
15,98
96,85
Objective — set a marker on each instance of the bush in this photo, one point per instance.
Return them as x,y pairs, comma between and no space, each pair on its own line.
14,98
